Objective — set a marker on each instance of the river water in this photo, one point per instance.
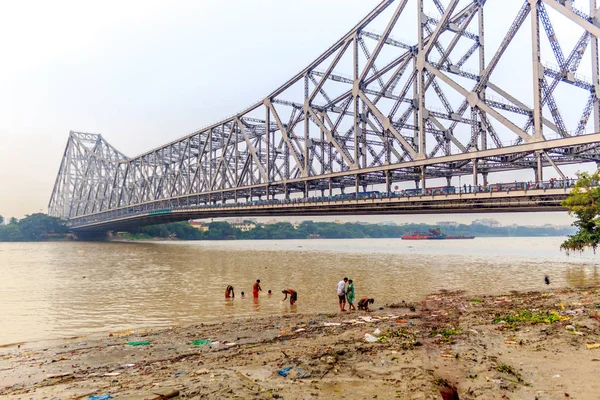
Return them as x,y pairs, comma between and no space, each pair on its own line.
64,289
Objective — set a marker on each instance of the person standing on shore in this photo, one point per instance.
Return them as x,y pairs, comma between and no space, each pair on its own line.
293,295
229,293
341,292
256,288
350,295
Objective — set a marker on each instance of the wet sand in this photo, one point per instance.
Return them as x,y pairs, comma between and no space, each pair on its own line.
476,344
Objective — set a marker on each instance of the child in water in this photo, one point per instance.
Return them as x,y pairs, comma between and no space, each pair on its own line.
243,296
269,293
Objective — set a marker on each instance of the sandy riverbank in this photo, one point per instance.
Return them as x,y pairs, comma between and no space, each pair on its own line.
471,343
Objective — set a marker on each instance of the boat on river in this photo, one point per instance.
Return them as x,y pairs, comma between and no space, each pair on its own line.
434,234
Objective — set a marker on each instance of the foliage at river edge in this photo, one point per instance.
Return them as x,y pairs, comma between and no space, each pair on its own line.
329,230
32,228
584,204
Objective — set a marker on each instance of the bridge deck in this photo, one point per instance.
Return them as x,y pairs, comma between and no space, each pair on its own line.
532,200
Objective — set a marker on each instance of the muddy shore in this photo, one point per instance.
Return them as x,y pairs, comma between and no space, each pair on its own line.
518,346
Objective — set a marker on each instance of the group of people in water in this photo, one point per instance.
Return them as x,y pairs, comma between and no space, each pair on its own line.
345,292
230,292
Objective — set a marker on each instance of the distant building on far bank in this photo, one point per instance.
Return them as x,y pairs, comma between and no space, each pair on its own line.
447,223
201,226
242,224
489,222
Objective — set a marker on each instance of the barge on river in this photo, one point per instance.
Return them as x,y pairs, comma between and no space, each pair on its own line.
434,234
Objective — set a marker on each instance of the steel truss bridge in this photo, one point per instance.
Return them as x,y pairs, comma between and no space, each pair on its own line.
374,109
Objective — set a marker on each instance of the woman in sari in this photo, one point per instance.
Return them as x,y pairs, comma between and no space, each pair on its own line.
350,295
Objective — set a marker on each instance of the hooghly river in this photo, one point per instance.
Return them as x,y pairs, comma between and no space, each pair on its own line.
63,289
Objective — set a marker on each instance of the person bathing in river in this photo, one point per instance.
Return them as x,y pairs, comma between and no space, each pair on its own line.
293,295
229,293
350,295
363,304
269,293
256,288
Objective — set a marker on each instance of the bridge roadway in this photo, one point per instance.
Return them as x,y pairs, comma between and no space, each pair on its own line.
492,199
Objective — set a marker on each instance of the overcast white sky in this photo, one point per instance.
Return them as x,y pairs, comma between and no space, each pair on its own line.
143,73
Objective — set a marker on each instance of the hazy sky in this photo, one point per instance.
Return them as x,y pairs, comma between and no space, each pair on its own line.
144,73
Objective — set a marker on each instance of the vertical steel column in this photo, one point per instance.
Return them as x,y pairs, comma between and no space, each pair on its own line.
330,188
356,88
475,173
363,132
237,153
595,69
388,181
223,168
540,167
415,106
268,145
421,58
67,195
420,62
538,70
210,159
306,127
482,132
322,142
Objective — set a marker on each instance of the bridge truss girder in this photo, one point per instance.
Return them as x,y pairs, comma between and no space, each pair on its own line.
370,110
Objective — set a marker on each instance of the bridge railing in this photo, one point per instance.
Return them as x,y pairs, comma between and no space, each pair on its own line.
165,207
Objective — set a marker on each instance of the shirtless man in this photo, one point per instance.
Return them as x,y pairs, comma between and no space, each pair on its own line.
229,293
363,304
256,288
293,295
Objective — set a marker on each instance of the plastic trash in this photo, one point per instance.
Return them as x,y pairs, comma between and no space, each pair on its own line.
592,346
377,332
200,342
138,343
284,372
105,397
370,338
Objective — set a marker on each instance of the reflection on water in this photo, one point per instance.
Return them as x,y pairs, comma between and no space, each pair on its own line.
66,289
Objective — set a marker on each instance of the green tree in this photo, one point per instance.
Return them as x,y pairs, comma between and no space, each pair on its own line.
13,221
584,204
36,226
11,233
1,220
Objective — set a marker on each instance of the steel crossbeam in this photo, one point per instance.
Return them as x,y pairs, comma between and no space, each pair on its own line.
373,109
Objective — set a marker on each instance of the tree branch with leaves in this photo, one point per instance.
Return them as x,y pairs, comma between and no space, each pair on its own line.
584,204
